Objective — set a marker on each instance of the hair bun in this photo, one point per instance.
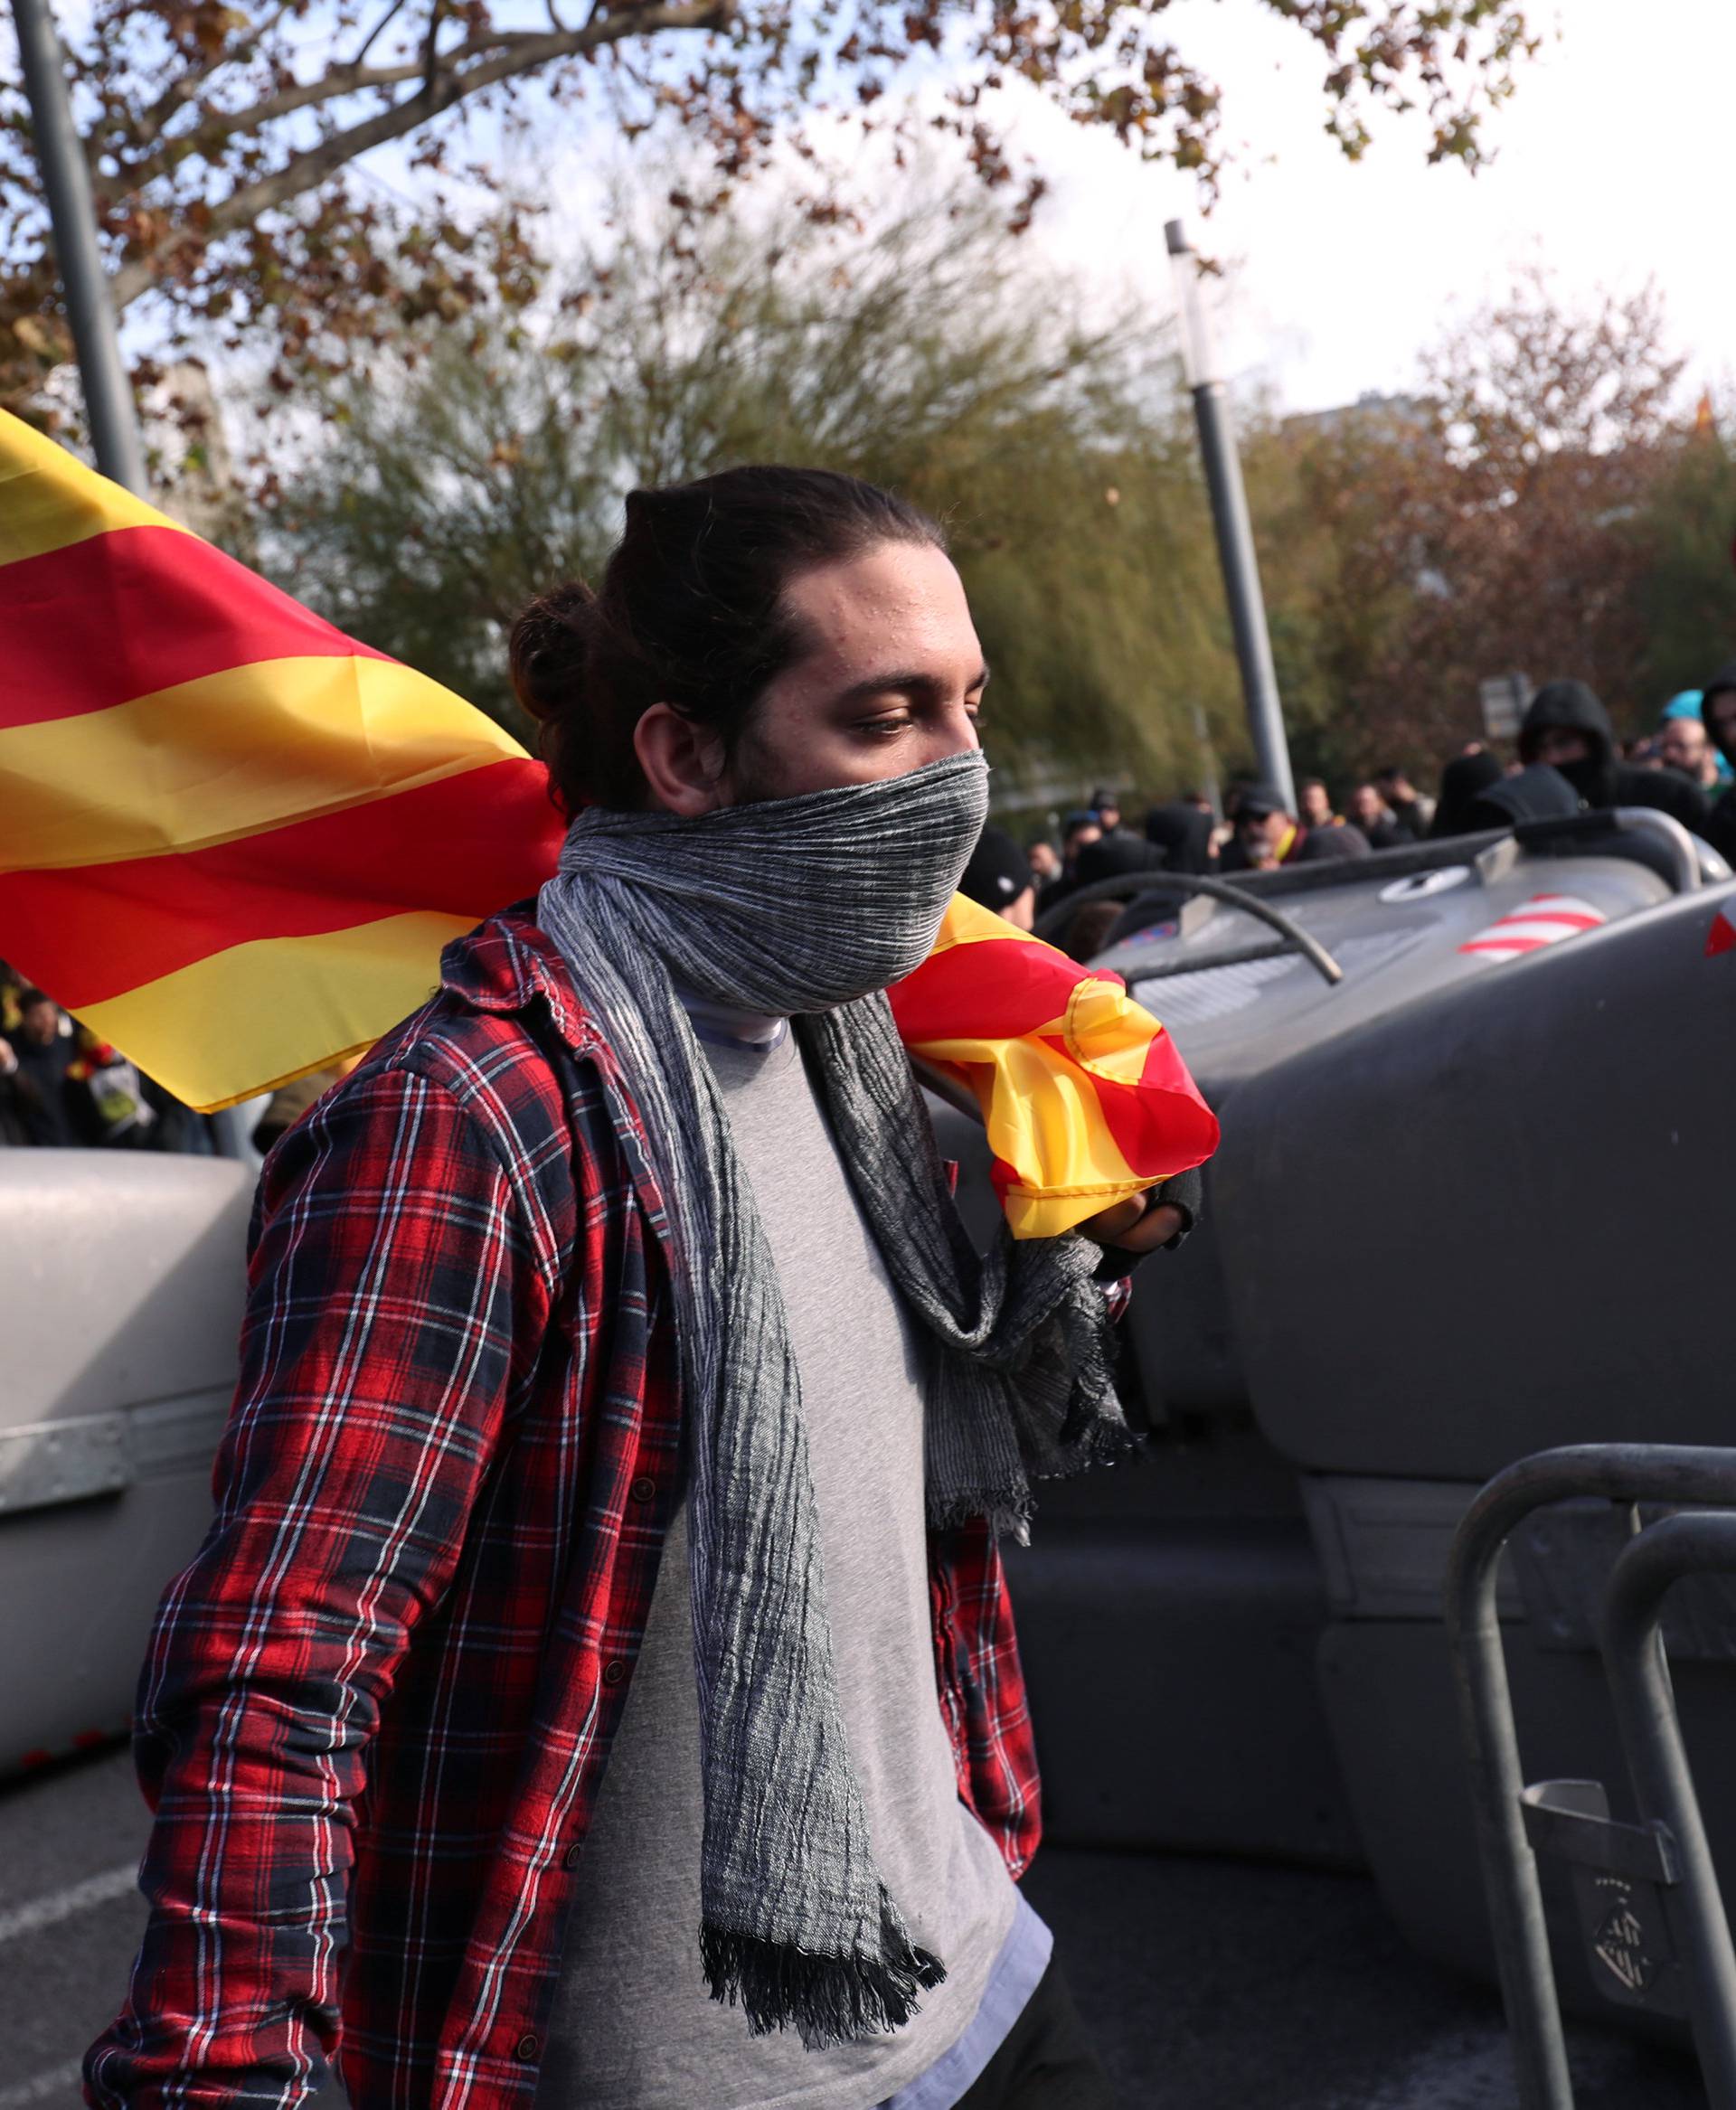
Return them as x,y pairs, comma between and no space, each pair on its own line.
549,649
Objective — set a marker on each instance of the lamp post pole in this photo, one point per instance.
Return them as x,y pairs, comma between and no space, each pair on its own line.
108,398
1229,518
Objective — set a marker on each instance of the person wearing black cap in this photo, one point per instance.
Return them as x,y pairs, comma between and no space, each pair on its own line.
1568,729
1267,836
999,877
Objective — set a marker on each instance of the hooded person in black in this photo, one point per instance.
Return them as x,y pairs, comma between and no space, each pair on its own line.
1184,833
1464,780
1718,715
1568,728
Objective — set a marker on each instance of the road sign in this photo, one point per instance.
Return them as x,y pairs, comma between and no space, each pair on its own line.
1503,698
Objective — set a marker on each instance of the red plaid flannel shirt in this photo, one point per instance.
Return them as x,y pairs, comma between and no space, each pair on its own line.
376,1707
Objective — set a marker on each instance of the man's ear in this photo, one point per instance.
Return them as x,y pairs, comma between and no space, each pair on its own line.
681,761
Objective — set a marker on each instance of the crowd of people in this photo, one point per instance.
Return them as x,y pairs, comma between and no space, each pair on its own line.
62,1086
1567,761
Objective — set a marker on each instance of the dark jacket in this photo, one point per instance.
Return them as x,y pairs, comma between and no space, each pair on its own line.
1461,782
1388,835
1601,779
51,1101
1184,833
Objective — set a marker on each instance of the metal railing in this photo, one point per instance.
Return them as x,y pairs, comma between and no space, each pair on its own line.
1648,1899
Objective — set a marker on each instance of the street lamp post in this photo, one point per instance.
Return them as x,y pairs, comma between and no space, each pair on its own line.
1229,518
108,398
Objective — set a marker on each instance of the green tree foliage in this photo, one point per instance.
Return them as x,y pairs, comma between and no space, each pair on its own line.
1542,505
935,355
1687,599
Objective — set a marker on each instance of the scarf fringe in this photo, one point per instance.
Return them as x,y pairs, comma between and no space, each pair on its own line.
829,2000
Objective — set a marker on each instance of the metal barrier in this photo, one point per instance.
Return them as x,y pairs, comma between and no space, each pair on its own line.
1647,1894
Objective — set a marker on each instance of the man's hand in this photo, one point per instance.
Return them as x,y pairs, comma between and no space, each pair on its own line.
1135,1227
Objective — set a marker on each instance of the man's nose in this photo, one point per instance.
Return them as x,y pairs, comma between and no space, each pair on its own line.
957,732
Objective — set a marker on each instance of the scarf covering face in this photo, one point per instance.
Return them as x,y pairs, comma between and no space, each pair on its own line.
808,907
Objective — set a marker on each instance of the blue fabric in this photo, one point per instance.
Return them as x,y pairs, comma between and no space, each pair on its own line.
1014,1977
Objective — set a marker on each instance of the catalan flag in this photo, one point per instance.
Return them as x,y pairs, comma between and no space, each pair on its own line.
1084,1096
234,841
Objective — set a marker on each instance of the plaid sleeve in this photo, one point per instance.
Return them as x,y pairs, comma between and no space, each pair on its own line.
393,1288
982,1689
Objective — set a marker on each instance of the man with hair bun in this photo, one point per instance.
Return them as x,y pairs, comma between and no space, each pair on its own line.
598,1686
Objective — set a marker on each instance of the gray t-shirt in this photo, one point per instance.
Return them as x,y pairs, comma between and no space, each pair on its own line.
633,2026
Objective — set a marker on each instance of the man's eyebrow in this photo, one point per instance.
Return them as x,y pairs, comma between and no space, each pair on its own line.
912,683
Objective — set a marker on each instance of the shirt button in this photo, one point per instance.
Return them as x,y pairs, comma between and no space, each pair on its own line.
572,1855
526,2045
614,1673
643,1488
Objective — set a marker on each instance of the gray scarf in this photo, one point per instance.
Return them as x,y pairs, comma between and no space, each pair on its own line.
810,907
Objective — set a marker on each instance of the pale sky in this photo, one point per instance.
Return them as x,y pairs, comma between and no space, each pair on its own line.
1614,165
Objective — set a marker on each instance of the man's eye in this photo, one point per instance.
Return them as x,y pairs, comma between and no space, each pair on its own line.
881,728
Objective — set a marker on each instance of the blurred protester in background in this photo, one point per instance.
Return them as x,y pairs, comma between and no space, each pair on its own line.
1106,810
1116,857
1267,836
1691,703
1316,802
1718,711
1568,729
1182,829
1683,746
999,877
1462,782
15,1115
54,1111
1120,856
1412,813
1369,814
120,1116
1079,828
1044,859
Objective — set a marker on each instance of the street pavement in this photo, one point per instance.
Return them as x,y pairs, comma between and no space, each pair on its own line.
1210,1984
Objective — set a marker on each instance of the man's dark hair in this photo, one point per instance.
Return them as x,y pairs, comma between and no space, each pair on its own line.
689,613
28,999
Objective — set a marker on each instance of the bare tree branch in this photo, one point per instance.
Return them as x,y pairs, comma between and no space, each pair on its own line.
373,35
341,80
516,54
181,91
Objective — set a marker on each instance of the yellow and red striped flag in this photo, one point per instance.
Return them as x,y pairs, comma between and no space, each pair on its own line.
1085,1097
234,841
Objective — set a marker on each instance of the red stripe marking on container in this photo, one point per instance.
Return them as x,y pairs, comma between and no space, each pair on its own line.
1544,921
